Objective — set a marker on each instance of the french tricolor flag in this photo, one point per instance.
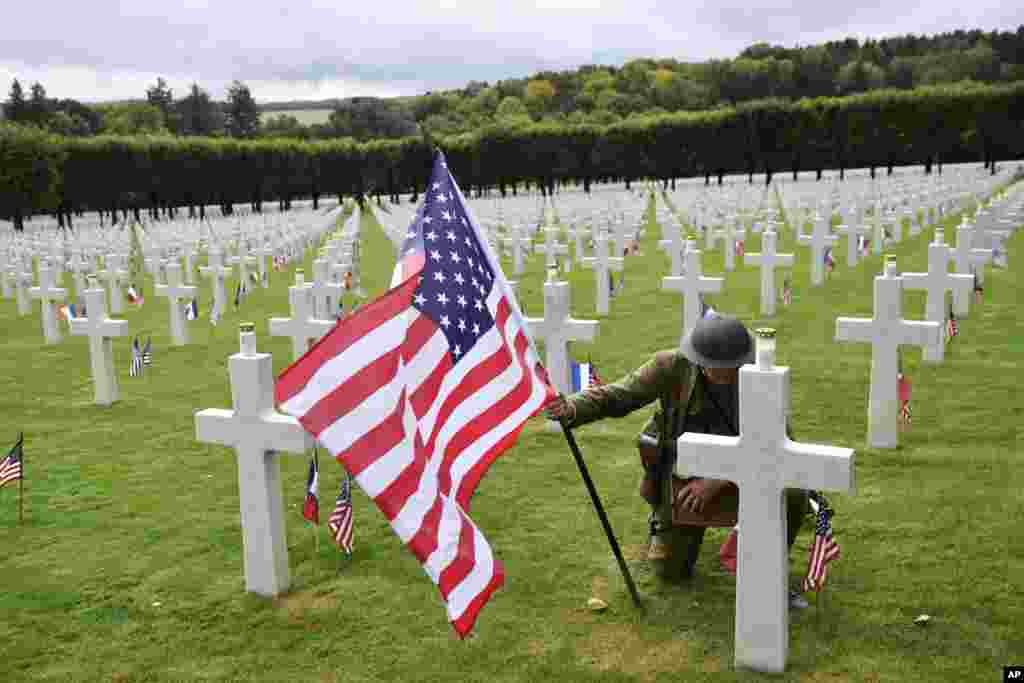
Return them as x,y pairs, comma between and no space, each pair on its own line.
582,378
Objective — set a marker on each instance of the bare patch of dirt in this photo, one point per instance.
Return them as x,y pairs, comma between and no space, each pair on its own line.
617,647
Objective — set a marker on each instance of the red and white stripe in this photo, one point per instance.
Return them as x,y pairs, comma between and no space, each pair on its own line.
340,525
382,394
824,551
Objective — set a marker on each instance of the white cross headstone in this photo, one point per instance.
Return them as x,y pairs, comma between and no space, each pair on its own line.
114,275
936,282
302,327
602,265
557,328
552,250
100,329
47,292
175,292
674,246
262,254
256,431
768,259
819,240
886,332
326,293
763,463
965,258
692,284
22,283
853,232
216,271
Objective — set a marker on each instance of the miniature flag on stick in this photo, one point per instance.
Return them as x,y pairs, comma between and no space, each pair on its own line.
192,310
415,406
787,292
863,245
952,329
10,468
311,508
147,354
340,522
739,248
978,289
824,549
830,262
135,369
903,385
583,376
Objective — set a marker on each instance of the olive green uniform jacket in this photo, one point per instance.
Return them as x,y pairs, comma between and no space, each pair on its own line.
670,379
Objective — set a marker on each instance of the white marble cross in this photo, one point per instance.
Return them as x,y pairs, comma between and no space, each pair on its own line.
216,271
819,240
326,293
100,329
262,254
936,282
114,275
552,250
886,332
879,225
189,252
768,259
22,283
965,257
174,291
302,327
243,260
256,431
674,246
602,265
692,284
763,463
47,292
853,232
557,328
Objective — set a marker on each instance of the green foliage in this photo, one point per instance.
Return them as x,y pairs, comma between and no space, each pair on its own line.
242,115
132,118
30,171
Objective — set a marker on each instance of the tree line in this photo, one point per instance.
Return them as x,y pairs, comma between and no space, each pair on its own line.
599,95
42,172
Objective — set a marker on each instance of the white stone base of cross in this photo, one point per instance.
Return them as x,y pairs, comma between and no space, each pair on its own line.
886,332
763,463
256,431
818,240
966,257
100,329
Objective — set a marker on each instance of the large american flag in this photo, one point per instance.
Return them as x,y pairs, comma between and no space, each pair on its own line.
10,467
421,390
823,550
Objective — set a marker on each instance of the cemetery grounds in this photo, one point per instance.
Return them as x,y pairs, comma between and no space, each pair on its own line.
129,568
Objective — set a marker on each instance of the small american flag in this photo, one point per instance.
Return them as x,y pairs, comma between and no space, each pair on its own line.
952,329
863,243
10,468
978,289
739,248
787,292
279,262
823,550
903,388
340,522
830,262
147,354
311,508
135,369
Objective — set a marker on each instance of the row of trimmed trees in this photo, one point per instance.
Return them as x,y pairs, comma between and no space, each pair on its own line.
41,173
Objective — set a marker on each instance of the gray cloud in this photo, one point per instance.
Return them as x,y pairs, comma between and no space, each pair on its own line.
105,49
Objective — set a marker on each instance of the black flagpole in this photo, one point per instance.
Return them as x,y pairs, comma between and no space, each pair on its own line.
600,513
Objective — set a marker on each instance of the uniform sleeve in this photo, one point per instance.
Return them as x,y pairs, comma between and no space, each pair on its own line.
639,388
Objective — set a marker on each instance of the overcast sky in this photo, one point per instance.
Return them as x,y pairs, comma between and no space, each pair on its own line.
315,49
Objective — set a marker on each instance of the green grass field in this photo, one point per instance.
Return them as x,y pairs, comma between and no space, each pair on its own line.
128,566
306,117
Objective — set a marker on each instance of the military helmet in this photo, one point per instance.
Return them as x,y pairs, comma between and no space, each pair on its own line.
719,342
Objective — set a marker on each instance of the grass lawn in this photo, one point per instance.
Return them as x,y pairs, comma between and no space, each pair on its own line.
128,566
